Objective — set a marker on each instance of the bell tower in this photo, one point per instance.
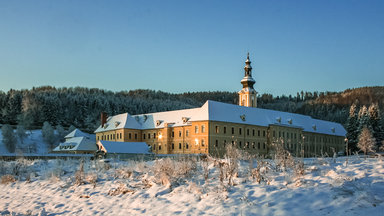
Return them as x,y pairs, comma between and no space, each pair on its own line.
248,95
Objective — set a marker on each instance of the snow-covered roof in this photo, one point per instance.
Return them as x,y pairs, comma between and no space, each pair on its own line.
77,144
76,133
123,147
264,117
124,120
223,112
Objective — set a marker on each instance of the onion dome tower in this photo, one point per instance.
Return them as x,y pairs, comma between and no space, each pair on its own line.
248,95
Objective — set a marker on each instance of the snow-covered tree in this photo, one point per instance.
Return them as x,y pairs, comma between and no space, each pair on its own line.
352,128
366,141
9,138
60,133
21,134
375,124
48,134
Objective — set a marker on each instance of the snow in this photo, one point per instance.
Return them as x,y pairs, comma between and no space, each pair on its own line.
76,133
34,138
124,147
328,187
124,120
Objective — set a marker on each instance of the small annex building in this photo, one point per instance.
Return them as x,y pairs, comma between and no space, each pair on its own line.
77,142
122,150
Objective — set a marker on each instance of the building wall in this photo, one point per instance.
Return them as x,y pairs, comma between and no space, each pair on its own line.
212,137
250,138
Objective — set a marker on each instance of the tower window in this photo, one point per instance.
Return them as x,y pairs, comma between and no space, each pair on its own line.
196,129
225,130
202,128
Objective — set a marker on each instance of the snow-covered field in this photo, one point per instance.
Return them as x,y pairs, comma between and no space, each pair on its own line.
192,187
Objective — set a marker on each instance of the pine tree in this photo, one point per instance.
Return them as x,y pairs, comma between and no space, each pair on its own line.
48,134
60,133
366,142
375,124
9,138
352,128
21,134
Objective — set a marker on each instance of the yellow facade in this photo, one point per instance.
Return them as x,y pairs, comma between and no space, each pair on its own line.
212,137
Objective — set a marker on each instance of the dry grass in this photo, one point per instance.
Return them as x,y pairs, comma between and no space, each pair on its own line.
121,189
6,179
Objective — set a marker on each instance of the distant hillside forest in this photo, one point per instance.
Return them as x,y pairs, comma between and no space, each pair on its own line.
81,107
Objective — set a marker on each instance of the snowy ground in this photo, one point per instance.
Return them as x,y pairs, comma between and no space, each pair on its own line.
191,187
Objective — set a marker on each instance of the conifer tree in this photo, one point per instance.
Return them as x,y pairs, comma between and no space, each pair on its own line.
375,124
9,138
48,134
352,128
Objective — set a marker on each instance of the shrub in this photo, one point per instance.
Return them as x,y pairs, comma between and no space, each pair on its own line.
5,179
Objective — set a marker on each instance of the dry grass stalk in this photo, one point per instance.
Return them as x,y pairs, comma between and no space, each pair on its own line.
6,179
121,189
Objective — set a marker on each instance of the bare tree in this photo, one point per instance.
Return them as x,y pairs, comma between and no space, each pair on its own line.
366,142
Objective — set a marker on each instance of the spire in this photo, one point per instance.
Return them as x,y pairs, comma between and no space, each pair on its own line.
248,67
248,95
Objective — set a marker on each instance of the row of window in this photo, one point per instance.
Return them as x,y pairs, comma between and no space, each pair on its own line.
240,131
247,145
172,145
111,136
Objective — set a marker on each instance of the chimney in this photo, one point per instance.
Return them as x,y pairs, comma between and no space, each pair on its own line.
103,118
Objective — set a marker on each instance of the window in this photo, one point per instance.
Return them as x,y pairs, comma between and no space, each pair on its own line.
186,145
179,145
274,133
233,143
202,128
263,133
120,135
225,130
263,145
173,134
279,134
217,129
173,146
258,145
253,132
233,130
253,145
159,146
248,145
187,133
258,132
143,136
135,136
129,136
202,142
97,137
196,129
114,136
154,135
283,134
247,132
239,131
217,143
240,144
295,135
180,133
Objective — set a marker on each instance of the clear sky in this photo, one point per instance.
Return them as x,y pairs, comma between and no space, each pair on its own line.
180,46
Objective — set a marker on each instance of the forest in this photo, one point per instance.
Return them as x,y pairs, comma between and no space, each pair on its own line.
81,107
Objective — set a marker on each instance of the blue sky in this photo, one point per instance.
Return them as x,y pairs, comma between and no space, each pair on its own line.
180,46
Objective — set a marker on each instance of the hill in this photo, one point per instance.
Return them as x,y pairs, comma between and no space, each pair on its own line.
81,106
